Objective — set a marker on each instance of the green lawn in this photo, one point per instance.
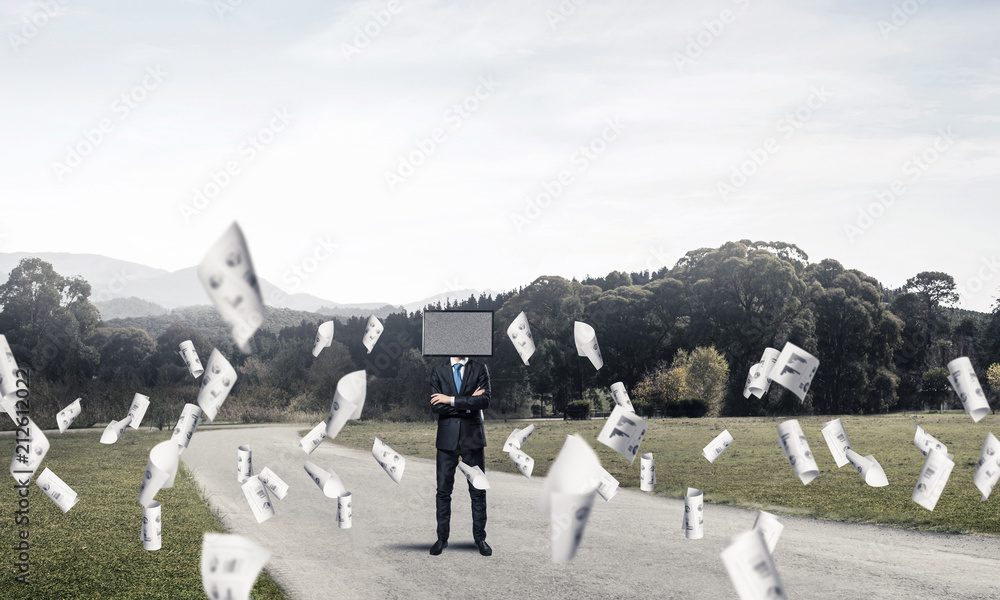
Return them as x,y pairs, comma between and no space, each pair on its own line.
93,551
753,472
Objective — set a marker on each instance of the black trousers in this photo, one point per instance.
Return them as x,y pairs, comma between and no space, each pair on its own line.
447,462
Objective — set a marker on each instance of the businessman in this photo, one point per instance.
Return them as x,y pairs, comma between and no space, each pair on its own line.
460,390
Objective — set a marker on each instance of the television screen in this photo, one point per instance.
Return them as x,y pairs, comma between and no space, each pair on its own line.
458,333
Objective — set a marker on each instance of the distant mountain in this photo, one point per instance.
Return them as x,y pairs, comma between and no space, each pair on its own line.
444,296
119,287
123,308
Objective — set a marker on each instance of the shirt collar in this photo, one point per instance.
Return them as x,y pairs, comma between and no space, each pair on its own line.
460,362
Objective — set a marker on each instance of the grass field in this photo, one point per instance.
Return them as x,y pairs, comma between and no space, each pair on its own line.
93,551
753,472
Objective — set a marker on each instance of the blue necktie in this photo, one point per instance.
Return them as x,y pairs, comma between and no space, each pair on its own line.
458,378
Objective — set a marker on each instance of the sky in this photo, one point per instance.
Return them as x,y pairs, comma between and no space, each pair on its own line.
390,151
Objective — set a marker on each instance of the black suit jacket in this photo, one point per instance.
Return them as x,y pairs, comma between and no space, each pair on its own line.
460,427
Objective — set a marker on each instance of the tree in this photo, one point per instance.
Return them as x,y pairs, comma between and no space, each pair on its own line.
935,388
993,379
855,336
707,377
744,297
124,353
663,385
46,317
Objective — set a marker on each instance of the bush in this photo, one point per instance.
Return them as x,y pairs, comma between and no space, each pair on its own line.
578,409
536,410
687,407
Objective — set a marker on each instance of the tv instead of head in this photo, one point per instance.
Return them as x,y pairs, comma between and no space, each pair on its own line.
458,333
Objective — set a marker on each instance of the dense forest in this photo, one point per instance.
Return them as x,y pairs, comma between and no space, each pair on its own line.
681,340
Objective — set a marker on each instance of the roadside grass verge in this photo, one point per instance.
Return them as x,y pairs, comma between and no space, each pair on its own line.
753,472
93,551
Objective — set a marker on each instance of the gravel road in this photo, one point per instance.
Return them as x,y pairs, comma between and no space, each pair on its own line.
633,546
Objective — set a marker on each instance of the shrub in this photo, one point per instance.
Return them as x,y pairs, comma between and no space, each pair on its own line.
578,409
687,407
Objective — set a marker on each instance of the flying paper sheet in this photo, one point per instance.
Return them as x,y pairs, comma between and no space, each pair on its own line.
758,380
517,438
607,485
647,472
314,438
770,526
344,511
228,276
524,463
326,480
796,448
868,468
258,499
66,416
373,331
751,568
475,476
623,432
836,440
150,532
28,453
191,360
568,494
8,378
988,469
390,460
114,430
519,333
586,343
794,369
716,447
229,565
620,396
933,477
219,379
324,337
694,514
926,442
273,483
138,410
347,403
965,383
161,468
244,463
187,424
57,490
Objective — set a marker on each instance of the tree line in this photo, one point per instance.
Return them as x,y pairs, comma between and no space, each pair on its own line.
681,339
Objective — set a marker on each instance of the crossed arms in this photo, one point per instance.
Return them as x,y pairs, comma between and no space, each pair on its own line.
441,402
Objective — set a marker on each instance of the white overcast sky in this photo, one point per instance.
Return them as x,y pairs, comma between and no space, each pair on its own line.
880,95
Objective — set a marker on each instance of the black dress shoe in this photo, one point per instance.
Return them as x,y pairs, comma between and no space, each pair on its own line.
484,548
438,547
